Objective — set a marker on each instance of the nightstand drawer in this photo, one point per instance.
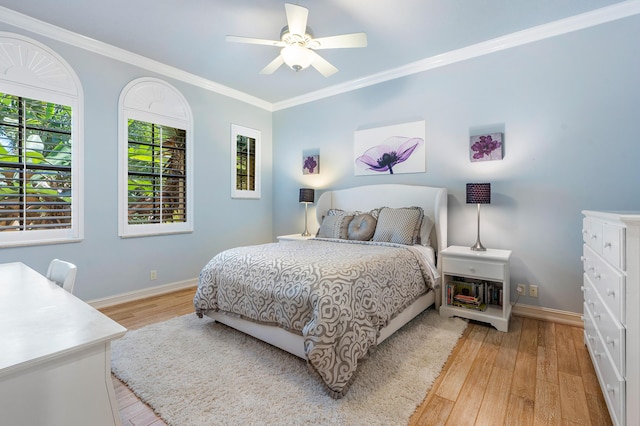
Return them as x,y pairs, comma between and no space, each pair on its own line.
465,267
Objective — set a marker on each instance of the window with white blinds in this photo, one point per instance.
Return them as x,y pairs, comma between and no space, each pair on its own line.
35,164
41,141
155,177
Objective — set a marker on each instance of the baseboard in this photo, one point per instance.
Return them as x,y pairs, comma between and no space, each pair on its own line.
547,314
142,294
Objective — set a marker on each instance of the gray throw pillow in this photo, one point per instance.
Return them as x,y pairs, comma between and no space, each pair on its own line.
362,227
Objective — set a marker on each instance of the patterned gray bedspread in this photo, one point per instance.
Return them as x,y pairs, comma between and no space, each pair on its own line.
336,294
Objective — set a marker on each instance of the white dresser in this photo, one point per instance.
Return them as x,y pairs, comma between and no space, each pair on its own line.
611,261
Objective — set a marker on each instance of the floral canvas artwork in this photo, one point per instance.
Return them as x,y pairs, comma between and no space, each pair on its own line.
391,149
311,165
486,147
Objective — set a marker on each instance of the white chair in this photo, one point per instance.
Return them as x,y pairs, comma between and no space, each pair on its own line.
62,273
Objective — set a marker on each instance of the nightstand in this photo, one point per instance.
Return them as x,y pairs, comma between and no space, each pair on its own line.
482,276
294,237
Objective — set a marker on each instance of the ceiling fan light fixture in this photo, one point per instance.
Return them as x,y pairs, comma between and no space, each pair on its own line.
296,57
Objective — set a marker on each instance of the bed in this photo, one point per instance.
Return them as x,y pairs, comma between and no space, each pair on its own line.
332,299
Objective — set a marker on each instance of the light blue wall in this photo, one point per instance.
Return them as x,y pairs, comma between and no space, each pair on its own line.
109,265
569,108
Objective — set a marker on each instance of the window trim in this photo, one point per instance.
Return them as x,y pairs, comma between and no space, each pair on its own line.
155,101
31,80
237,130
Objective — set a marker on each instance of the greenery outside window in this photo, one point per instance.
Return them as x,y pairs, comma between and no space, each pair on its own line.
35,164
40,146
155,178
156,174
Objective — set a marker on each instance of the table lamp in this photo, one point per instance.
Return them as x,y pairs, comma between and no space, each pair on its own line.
478,193
306,196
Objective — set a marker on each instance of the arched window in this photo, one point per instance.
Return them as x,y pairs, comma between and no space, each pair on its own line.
41,141
155,160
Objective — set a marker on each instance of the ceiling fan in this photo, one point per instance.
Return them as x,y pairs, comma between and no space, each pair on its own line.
298,44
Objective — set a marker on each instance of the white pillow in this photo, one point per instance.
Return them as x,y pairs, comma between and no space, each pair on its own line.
425,231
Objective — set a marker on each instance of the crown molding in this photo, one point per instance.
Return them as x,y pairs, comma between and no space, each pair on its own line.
42,28
563,26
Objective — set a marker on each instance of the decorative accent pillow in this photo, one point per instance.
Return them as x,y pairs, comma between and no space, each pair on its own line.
399,226
334,226
362,227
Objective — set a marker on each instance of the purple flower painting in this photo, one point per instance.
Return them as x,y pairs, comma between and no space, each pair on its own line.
486,147
394,150
390,150
311,165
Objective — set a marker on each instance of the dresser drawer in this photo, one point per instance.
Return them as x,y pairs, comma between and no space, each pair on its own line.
608,282
484,269
612,384
592,234
613,243
610,332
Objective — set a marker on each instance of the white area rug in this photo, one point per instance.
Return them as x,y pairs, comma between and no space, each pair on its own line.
193,371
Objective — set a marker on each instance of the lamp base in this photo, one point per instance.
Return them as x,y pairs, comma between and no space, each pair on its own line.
478,246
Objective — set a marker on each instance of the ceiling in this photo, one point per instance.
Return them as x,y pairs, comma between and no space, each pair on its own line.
190,34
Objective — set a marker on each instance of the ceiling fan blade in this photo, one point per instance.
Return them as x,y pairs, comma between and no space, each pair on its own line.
273,65
249,40
321,64
340,41
296,18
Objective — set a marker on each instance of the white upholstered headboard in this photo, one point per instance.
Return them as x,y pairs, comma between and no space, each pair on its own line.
364,198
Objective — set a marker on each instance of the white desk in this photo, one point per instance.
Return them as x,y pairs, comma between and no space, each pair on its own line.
55,354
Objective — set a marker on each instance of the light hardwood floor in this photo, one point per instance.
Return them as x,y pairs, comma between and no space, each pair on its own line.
539,373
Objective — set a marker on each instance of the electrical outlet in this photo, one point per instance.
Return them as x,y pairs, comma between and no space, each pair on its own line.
153,274
533,291
520,288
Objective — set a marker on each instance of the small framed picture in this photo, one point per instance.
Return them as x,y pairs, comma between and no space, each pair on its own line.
310,164
486,147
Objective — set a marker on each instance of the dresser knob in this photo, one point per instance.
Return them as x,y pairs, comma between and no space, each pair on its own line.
594,236
596,354
582,288
611,388
590,303
607,245
584,231
583,258
611,292
610,341
596,315
598,276
591,338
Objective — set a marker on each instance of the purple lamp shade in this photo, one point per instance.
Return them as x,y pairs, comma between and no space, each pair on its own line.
478,193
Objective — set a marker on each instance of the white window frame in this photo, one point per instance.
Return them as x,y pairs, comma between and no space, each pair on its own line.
154,101
237,130
30,69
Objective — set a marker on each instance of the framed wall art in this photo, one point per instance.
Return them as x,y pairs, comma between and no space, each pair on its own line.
486,147
392,149
310,164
